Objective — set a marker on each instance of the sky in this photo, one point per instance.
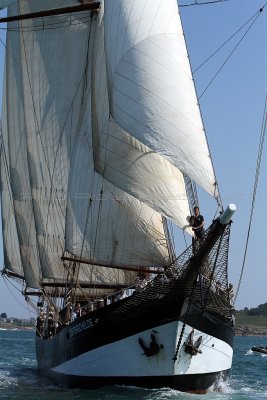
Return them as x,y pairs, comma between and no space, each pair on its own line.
232,108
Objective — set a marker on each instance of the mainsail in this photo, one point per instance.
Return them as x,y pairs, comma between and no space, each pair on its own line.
96,141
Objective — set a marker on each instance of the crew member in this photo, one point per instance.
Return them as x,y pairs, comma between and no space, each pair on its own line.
197,223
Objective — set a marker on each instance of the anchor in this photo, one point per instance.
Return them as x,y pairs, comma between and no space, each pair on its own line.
153,348
191,347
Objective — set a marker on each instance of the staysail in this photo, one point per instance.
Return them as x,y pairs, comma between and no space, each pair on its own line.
126,161
150,89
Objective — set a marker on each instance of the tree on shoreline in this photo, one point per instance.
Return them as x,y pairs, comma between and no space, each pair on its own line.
260,310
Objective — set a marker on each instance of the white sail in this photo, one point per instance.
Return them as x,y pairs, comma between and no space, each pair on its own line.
51,105
150,86
42,109
14,155
127,162
104,224
11,249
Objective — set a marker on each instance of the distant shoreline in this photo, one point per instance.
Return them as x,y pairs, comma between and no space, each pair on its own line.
11,326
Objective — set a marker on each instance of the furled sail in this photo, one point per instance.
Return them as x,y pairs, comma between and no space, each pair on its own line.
150,87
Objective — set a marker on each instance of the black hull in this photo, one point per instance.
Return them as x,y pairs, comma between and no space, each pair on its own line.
194,383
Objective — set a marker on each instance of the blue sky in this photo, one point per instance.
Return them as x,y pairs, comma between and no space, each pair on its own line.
232,109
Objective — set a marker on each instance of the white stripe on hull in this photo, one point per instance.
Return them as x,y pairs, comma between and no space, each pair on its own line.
125,357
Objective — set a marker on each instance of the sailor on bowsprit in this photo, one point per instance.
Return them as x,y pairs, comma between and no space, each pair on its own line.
197,222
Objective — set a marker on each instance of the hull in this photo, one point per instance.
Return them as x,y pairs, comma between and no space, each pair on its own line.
93,352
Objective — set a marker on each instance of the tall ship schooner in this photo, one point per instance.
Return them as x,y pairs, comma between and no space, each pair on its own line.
102,146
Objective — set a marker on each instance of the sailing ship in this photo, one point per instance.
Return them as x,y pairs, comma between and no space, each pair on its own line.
102,146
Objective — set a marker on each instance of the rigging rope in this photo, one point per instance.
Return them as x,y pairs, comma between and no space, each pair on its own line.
258,165
234,49
227,41
5,279
204,3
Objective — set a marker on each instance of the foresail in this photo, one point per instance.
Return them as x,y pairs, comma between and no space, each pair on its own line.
125,161
150,86
141,172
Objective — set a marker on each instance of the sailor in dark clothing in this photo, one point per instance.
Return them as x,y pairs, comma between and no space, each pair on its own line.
197,223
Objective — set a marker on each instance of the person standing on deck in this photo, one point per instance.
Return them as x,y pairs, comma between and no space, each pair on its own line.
198,224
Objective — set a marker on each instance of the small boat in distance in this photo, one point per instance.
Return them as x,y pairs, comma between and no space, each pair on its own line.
259,349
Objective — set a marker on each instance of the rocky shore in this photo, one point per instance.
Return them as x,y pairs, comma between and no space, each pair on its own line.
243,330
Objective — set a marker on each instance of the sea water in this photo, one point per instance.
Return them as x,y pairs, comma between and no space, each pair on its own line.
19,378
